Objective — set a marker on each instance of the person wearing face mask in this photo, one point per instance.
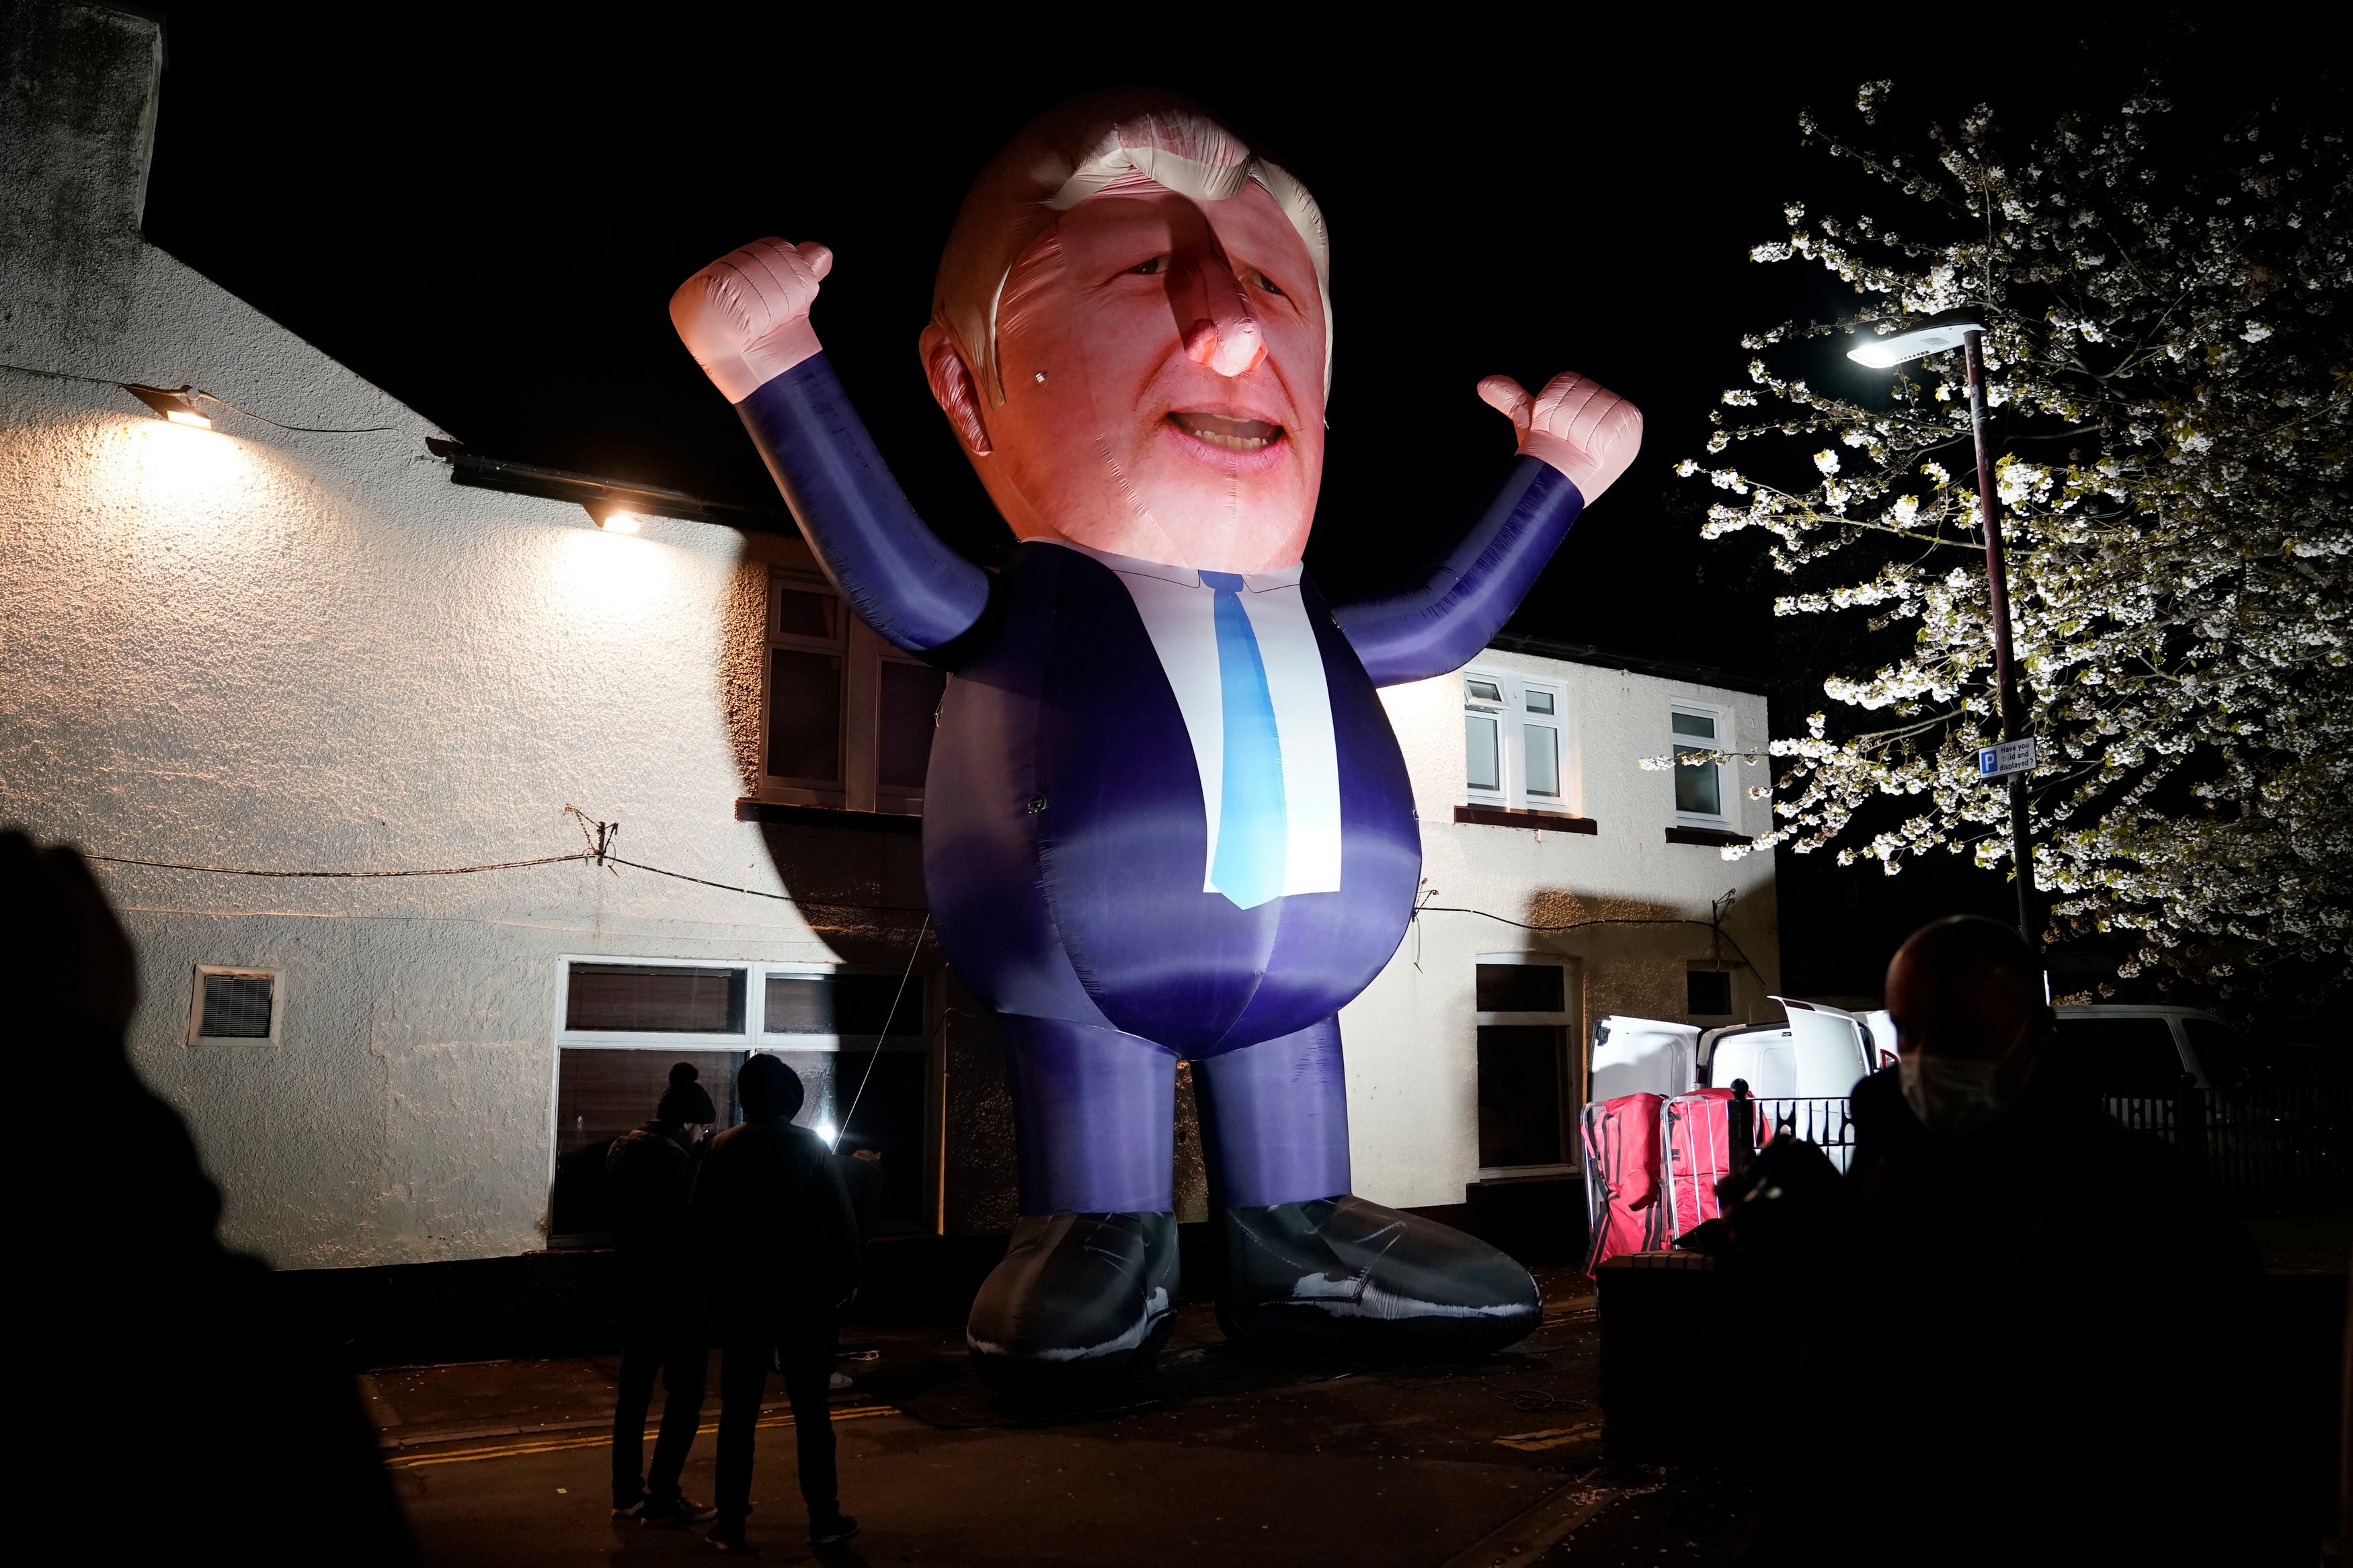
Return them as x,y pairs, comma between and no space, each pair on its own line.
2068,1307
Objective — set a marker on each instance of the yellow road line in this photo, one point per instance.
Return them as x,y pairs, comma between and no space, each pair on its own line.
510,1450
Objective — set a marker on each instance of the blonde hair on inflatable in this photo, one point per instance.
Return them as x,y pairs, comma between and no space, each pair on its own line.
1069,154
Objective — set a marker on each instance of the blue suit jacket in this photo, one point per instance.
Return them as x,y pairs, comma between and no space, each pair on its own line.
1064,830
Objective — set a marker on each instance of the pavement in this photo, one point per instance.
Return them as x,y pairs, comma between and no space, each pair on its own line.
1221,1458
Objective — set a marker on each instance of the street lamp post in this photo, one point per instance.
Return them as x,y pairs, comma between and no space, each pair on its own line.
2011,759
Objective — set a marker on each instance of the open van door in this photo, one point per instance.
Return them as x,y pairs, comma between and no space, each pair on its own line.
1642,1056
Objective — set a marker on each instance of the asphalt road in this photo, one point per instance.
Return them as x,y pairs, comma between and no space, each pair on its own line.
1493,1462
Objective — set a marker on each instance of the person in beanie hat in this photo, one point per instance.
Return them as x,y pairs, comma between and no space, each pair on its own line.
770,1210
650,1177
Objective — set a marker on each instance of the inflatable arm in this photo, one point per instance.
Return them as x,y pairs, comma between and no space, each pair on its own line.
745,320
1575,440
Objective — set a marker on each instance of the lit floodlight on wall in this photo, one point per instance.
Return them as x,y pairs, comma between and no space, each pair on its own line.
170,404
1880,354
615,519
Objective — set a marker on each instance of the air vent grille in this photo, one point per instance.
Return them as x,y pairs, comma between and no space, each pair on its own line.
237,1007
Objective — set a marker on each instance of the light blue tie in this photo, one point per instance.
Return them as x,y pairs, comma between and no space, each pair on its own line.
1251,844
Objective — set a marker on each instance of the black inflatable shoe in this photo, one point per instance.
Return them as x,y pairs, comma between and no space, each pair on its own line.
1346,1274
1079,1297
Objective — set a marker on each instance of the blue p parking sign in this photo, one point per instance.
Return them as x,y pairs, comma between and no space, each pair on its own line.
2008,758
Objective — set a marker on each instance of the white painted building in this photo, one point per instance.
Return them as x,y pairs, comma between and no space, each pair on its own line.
254,648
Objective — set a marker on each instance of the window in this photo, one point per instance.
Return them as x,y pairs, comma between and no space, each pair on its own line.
856,1040
2132,1057
847,719
1708,994
1698,728
2224,1054
1527,1089
233,1004
1516,752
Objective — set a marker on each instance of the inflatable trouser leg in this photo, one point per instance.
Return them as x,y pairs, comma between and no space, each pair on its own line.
1089,1279
1309,1264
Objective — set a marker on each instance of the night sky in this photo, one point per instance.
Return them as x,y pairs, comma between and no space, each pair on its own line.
486,218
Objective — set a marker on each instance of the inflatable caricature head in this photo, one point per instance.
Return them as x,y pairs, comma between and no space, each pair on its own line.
1131,336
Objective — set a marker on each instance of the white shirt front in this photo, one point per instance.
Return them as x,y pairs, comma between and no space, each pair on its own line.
1180,614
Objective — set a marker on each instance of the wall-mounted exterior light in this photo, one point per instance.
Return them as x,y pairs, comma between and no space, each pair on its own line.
170,404
617,506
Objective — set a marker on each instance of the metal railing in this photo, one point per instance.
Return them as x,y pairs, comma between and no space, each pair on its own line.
1822,1120
2256,1140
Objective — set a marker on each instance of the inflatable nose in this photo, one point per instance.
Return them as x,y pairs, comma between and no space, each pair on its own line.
1224,332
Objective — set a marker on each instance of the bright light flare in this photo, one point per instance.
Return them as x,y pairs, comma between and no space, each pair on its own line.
189,417
827,1130
1885,353
621,523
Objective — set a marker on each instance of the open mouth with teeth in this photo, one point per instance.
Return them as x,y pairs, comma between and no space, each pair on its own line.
1227,434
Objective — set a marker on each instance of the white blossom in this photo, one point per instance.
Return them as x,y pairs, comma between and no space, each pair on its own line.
2177,504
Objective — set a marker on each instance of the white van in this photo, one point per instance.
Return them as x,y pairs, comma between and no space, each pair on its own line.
2141,1053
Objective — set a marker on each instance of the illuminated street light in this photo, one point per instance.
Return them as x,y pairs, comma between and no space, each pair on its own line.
170,404
2012,759
1882,353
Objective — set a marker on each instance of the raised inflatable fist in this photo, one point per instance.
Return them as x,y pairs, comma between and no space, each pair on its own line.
1576,424
746,317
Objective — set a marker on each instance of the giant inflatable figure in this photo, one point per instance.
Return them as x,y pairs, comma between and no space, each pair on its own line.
1167,818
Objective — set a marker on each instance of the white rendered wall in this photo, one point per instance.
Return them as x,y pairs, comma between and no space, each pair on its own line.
1410,1038
247,647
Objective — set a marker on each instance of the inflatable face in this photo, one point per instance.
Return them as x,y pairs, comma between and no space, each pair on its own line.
1163,365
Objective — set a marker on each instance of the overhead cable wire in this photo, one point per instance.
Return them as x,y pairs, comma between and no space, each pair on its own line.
435,871
1715,926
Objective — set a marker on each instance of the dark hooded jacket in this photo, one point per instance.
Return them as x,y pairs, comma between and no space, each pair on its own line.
773,1217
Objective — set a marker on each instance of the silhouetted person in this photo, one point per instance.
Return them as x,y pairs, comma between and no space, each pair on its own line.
664,1304
2058,1310
142,1320
783,1245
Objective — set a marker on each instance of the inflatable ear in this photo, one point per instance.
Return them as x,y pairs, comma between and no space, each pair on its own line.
952,386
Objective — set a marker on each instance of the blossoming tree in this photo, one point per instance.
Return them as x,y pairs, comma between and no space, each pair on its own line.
2171,376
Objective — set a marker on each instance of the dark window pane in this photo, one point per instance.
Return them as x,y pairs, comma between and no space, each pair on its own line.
648,998
2133,1057
854,1006
803,715
1698,724
1521,988
1519,1094
2222,1052
1482,691
911,700
803,613
601,1094
1539,702
237,1007
888,1121
1697,787
1707,993
1479,747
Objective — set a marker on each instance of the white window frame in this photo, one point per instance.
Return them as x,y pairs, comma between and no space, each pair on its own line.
921,990
1513,721
1722,820
650,1039
862,654
196,1006
1572,1071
